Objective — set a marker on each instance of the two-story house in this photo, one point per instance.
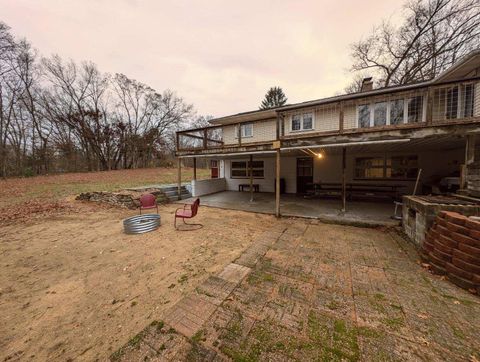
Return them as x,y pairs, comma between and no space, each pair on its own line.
376,142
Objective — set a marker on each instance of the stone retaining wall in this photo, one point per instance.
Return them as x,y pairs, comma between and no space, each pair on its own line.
452,248
125,199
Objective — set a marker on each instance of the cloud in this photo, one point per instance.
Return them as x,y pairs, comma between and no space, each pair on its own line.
221,56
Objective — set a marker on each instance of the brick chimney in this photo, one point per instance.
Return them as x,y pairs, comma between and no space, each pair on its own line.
367,84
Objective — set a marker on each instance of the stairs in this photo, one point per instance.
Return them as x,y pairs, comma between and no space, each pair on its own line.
171,191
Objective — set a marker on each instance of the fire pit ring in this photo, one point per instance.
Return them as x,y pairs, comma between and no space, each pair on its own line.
141,223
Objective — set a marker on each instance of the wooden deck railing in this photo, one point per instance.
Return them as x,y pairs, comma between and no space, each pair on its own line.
200,138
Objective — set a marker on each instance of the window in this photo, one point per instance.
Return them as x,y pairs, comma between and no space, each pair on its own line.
246,130
452,103
380,114
391,167
404,167
308,121
468,100
369,167
396,111
241,169
364,115
302,122
415,109
296,123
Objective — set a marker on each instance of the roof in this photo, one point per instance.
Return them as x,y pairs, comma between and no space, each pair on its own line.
460,69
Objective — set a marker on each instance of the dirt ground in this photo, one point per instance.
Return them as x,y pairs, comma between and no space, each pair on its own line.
74,286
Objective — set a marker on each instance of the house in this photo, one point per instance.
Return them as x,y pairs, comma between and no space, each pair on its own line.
377,142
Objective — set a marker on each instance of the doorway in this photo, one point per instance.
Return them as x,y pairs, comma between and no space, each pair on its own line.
304,174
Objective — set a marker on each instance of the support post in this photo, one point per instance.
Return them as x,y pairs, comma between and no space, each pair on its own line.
429,115
469,159
239,134
205,139
251,178
179,178
344,179
341,118
194,168
277,185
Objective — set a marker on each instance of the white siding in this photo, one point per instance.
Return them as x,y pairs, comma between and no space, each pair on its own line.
350,117
325,119
263,131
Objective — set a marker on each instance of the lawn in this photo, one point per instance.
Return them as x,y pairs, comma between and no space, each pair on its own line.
41,194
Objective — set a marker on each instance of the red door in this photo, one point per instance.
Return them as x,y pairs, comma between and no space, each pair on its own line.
213,168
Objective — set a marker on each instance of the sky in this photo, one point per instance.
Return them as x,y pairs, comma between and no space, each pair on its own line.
219,55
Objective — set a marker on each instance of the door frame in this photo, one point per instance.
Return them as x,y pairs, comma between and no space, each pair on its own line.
296,171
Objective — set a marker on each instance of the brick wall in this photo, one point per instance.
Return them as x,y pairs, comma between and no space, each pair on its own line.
452,247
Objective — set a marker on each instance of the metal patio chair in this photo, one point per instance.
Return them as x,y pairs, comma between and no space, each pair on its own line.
148,201
188,211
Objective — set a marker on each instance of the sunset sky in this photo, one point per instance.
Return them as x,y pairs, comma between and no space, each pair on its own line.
221,56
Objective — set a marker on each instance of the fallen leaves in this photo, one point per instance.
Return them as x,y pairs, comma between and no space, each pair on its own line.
29,209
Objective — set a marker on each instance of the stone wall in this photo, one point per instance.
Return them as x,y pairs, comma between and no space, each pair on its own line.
124,199
452,248
419,215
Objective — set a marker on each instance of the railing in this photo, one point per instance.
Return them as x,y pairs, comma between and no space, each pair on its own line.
430,105
455,101
200,138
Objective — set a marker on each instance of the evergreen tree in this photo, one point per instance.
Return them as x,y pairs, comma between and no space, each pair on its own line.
274,98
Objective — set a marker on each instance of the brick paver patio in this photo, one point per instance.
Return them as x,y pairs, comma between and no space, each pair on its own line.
310,291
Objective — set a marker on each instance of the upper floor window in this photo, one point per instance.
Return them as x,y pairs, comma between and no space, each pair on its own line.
469,90
246,130
394,112
302,122
364,116
453,102
415,109
380,114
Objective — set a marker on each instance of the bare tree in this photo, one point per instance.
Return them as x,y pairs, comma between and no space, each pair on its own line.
58,115
434,34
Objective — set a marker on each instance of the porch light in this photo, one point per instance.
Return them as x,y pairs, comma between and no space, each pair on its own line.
320,155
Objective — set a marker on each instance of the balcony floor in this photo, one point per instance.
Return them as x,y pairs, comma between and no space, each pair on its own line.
329,210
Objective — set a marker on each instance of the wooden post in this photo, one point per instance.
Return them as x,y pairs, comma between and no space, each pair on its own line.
344,179
340,118
205,139
469,159
179,178
429,115
277,185
239,135
194,168
251,178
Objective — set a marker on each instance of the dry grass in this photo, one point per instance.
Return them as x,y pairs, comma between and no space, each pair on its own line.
22,197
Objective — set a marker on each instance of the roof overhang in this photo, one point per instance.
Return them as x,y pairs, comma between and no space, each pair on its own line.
245,117
468,66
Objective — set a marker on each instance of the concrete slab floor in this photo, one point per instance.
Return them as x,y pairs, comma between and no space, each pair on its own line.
358,212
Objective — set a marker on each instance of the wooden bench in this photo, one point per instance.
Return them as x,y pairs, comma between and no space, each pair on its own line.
356,189
242,187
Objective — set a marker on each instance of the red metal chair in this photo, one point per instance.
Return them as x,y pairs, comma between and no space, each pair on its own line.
148,201
188,211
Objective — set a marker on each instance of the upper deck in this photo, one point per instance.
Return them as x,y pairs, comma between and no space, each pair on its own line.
446,105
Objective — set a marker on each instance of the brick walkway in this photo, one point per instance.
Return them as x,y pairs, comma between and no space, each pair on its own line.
318,292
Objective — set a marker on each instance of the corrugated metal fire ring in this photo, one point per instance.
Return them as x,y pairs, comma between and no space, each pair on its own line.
141,223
